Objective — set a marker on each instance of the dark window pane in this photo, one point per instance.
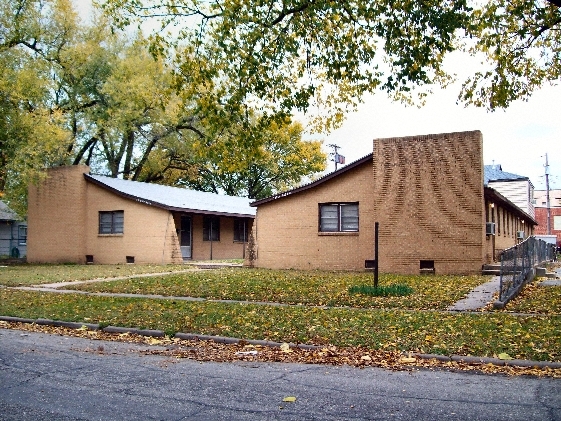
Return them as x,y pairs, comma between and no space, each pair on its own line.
211,228
240,230
338,217
111,222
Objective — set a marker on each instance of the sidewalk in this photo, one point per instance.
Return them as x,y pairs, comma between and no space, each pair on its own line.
478,297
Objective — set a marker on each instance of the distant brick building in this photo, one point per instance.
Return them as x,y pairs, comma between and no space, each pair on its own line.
77,217
426,192
554,213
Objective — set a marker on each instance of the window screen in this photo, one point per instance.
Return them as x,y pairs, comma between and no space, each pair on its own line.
241,228
111,222
338,217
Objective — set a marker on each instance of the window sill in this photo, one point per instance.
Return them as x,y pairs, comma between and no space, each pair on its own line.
338,233
110,235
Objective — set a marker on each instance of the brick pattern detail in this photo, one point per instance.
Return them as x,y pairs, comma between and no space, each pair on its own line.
425,191
149,233
541,218
428,199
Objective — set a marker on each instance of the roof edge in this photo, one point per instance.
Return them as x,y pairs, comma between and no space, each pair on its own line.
499,196
138,199
147,202
315,183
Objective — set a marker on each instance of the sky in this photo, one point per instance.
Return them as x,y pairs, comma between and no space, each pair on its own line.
517,138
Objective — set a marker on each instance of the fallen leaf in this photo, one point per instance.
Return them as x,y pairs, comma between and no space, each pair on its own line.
366,358
505,356
407,360
285,348
154,341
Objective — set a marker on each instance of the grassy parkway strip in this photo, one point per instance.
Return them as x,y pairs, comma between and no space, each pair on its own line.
326,319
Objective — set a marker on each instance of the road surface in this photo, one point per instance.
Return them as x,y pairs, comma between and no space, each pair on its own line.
51,377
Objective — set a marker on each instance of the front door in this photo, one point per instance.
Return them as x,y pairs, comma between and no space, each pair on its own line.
185,237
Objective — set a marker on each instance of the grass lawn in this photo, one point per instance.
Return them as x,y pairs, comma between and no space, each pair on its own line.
297,287
28,274
394,323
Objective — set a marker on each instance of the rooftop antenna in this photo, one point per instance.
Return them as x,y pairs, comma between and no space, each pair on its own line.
337,158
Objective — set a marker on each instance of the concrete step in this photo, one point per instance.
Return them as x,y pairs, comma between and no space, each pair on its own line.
494,272
491,269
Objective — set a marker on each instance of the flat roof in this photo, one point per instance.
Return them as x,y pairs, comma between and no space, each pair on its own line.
175,198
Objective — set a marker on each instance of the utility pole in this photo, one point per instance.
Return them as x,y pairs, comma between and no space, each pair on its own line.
338,159
547,204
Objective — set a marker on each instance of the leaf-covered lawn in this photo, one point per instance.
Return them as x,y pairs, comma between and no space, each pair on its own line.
483,334
536,298
30,274
297,287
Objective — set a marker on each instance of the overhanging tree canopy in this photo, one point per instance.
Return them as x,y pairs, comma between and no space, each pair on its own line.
299,53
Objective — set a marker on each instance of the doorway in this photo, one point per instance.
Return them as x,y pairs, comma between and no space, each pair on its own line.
185,238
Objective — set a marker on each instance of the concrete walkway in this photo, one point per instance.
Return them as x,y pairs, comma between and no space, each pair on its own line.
482,295
478,297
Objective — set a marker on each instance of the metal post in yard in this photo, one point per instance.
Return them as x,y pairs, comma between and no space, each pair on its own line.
376,228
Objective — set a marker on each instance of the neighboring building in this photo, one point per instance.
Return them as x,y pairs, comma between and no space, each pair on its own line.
13,233
540,198
426,192
516,188
77,217
508,223
554,213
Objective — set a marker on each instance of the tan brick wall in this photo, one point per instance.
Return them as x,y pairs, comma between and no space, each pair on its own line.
507,224
226,248
149,233
64,226
286,229
428,199
425,191
56,217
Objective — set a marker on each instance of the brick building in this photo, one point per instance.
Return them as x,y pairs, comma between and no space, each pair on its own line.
554,213
426,192
77,217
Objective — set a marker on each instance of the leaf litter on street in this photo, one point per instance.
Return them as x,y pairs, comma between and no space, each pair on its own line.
212,351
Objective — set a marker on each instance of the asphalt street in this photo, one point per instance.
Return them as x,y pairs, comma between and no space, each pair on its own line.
51,377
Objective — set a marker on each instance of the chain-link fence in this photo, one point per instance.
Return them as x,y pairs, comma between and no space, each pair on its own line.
518,262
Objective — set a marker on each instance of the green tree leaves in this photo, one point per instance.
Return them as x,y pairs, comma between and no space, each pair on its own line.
522,45
84,93
299,54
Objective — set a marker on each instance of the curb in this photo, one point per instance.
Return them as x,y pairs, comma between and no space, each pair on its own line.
233,341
